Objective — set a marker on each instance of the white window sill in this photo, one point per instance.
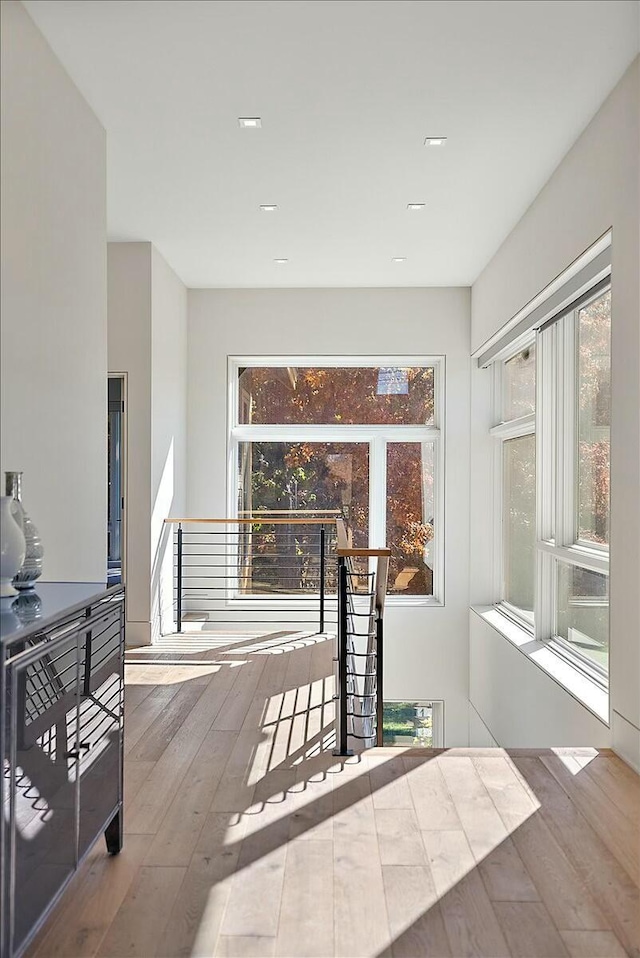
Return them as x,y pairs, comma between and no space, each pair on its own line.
289,603
408,601
576,683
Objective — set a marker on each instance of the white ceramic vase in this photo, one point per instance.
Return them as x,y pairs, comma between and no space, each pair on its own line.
12,547
31,569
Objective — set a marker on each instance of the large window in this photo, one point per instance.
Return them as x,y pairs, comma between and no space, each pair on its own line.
552,413
353,436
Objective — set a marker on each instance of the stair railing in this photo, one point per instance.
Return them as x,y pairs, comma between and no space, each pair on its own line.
266,566
360,642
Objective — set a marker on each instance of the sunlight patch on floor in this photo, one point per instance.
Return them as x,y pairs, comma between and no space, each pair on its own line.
160,671
214,666
202,642
575,762
281,643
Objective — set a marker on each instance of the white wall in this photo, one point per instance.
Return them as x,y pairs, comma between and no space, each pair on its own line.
479,734
54,333
168,431
147,341
594,188
519,703
426,648
129,325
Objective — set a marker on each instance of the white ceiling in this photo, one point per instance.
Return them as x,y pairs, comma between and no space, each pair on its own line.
347,91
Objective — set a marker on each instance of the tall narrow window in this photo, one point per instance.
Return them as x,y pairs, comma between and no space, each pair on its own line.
410,517
593,402
516,467
519,522
575,567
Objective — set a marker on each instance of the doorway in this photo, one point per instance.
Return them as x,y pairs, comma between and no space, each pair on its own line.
116,478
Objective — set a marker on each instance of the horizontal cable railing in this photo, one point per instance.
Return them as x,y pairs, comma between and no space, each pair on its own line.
361,599
264,567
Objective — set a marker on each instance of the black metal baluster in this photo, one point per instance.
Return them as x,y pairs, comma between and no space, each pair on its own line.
379,679
87,658
179,602
343,626
322,574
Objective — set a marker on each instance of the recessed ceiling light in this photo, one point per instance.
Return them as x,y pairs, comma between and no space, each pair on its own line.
416,207
435,141
249,122
268,208
280,261
399,259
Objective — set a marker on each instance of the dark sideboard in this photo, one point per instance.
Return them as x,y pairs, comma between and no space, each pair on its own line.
62,650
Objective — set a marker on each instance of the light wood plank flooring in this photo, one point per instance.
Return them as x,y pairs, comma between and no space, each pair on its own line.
246,837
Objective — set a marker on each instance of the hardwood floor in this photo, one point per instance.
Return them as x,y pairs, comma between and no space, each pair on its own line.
246,837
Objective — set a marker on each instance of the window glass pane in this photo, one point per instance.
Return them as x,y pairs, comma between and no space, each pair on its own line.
519,521
302,477
336,395
519,396
594,401
413,724
410,517
582,615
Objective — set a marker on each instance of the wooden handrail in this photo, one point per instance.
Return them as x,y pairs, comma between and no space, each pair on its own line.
259,519
343,537
381,583
344,547
292,512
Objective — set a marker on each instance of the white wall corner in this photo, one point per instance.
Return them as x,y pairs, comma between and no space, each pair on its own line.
626,741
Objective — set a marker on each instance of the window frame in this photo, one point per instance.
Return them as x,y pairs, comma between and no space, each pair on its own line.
557,515
377,436
555,425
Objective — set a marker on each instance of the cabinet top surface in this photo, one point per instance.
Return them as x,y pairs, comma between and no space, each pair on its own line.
38,609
